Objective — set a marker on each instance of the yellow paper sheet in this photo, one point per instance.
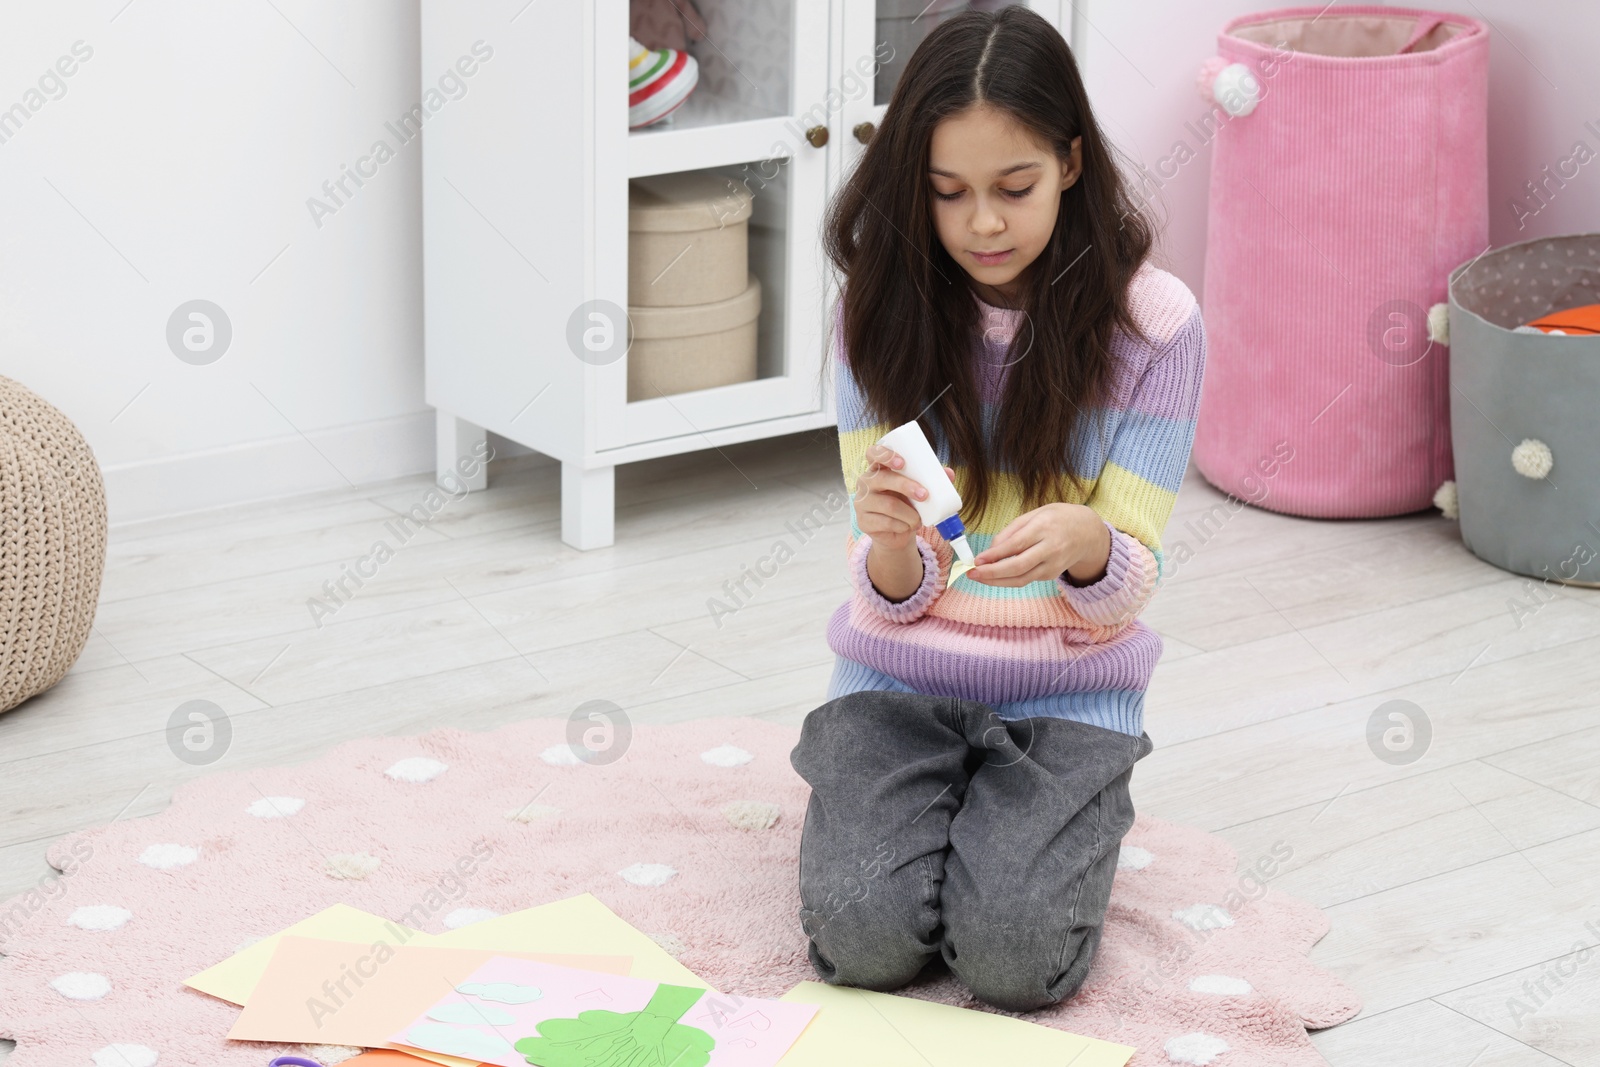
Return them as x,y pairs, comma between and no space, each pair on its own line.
579,925
860,1026
958,567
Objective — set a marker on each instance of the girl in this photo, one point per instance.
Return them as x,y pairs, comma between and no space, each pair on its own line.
970,768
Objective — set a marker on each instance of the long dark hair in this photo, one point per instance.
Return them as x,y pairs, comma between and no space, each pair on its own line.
909,316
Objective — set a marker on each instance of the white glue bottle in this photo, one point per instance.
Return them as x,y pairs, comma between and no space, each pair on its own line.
941,508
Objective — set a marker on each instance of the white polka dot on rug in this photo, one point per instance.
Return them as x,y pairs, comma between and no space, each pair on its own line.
164,857
246,943
99,917
1203,917
467,916
726,756
561,756
1195,1048
124,1056
1133,858
1220,984
81,985
417,769
350,867
750,814
530,812
648,874
275,807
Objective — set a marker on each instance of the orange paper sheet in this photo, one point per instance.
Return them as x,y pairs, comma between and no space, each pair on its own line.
343,993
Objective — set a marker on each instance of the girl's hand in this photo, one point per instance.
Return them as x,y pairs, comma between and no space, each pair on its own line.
1042,544
883,499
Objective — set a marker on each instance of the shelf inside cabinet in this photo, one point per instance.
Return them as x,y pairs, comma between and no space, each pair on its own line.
710,135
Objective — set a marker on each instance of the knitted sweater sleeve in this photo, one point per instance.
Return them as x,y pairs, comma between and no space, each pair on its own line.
858,431
1138,485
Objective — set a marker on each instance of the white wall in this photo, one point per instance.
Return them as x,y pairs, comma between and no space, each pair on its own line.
176,165
1140,61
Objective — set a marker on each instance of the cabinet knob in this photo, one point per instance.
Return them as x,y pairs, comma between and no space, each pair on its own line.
818,136
864,131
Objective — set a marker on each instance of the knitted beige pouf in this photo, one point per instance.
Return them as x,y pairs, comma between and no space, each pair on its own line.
52,543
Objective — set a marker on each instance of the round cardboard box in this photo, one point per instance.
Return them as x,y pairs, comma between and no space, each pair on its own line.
688,239
676,350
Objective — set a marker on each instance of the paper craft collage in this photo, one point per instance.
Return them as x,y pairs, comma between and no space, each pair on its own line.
571,984
575,1018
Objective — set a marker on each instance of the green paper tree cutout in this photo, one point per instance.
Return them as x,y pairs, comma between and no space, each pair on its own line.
649,1037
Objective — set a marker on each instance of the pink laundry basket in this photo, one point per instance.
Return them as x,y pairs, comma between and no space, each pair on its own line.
1350,177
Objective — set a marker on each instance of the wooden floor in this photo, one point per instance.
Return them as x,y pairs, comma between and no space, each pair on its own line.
1455,884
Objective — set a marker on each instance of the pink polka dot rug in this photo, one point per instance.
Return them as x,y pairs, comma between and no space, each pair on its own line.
691,834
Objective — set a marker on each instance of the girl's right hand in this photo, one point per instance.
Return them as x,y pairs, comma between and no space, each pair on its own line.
883,499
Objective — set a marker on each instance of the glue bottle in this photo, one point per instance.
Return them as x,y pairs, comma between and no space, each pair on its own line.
941,508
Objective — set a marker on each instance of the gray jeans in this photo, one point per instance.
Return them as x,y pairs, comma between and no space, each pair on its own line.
934,826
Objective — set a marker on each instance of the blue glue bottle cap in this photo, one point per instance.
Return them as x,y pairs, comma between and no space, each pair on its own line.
954,532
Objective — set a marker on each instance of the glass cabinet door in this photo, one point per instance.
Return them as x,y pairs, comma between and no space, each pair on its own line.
745,133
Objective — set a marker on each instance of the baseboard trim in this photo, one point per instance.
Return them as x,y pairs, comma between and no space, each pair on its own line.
342,457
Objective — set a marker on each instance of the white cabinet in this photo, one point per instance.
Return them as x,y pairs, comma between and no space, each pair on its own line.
526,163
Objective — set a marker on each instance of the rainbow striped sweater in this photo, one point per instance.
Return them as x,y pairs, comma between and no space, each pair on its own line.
1050,647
